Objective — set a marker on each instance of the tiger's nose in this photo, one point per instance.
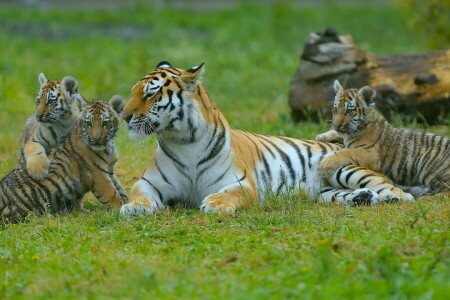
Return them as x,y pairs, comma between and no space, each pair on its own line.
127,118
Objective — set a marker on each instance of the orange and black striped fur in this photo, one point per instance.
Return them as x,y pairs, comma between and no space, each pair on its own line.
200,161
408,157
83,162
58,106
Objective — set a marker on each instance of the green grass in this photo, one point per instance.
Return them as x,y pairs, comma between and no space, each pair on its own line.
287,247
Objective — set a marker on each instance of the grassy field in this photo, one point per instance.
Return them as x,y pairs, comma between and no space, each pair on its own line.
285,248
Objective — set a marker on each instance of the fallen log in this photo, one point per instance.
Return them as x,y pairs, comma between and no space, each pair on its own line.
414,85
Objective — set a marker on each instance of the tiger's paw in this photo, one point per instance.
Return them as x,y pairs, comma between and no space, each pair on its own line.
141,206
363,197
38,167
216,203
396,195
328,166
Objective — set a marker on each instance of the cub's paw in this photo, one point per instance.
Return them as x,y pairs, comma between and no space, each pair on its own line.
323,137
395,195
363,197
138,207
328,166
216,203
38,166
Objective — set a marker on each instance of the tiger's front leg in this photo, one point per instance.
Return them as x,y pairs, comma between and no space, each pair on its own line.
237,195
360,157
37,162
122,192
150,193
105,191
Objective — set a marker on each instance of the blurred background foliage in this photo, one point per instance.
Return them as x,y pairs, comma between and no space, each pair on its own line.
430,18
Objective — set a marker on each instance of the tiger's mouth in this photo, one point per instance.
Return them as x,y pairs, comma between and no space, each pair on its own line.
97,147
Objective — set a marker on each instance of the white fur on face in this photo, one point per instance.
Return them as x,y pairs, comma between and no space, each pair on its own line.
152,87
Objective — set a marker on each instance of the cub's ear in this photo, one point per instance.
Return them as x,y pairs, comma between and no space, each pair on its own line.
337,86
42,78
193,76
117,103
80,101
70,84
368,94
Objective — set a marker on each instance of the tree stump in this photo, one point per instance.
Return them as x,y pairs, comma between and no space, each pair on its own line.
414,85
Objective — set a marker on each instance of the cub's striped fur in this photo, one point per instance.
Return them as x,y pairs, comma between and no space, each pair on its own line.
410,158
83,162
58,106
202,162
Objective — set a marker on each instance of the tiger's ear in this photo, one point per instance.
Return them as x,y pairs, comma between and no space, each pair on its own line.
42,78
163,64
117,103
70,84
193,76
337,86
368,94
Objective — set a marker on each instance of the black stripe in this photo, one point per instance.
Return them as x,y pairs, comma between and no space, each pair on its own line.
54,135
179,165
42,138
350,174
327,190
219,144
299,154
164,177
284,157
100,157
101,169
159,193
220,177
338,175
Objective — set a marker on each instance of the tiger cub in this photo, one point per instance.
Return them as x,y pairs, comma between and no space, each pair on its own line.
200,161
410,158
58,106
83,162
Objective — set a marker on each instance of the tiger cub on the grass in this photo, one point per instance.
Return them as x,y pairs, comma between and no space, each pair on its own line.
83,162
58,106
408,157
202,162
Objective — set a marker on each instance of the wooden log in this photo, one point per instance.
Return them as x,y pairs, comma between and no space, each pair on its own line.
415,85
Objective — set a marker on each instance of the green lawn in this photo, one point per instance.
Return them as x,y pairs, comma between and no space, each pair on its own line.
288,247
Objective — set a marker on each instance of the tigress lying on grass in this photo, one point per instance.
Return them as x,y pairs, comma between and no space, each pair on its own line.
202,162
410,158
81,163
58,106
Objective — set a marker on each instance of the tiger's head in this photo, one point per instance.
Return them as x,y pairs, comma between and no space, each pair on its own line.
57,100
350,108
163,100
99,122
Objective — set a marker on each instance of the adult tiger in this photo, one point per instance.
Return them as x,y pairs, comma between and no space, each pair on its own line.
202,162
58,106
83,162
409,157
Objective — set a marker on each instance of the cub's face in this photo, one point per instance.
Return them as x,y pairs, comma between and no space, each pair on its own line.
55,98
158,100
99,122
350,108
